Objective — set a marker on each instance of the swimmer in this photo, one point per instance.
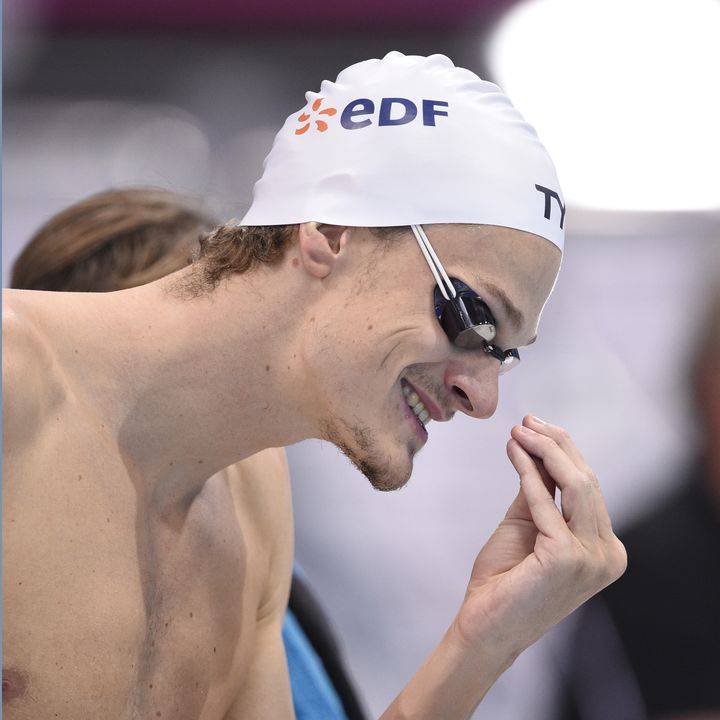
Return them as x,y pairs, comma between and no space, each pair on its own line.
401,245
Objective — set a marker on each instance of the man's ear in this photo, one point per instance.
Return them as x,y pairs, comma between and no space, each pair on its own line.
321,246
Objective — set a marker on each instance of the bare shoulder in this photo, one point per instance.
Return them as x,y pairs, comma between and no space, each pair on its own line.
32,383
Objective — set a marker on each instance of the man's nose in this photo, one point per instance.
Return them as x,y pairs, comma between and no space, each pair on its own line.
473,384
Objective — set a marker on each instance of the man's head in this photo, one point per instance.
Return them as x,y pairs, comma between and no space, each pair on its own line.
393,143
110,241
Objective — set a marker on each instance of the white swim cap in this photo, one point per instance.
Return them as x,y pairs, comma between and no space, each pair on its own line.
409,140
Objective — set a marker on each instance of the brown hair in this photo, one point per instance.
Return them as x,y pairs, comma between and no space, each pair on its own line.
113,240
233,248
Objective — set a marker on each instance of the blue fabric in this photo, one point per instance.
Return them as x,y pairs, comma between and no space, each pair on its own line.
314,696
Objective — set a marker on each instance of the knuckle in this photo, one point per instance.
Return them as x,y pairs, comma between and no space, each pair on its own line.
593,479
614,560
525,475
561,434
586,480
574,559
595,566
579,485
620,557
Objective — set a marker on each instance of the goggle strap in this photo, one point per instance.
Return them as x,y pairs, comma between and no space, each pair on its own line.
433,261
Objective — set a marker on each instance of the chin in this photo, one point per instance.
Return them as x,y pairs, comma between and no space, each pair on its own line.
384,477
387,469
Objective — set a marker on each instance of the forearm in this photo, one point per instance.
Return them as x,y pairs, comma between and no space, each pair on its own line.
452,681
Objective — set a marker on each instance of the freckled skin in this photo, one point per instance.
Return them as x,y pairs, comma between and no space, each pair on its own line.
114,606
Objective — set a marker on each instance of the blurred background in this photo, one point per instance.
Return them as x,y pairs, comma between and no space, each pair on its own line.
188,95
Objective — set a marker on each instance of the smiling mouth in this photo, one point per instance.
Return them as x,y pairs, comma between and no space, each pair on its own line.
415,403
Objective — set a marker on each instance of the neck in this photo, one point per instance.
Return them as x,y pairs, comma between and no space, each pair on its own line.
197,384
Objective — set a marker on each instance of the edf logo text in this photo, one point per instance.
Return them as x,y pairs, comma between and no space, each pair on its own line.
393,111
363,112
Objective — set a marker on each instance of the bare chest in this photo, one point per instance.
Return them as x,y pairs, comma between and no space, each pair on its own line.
112,610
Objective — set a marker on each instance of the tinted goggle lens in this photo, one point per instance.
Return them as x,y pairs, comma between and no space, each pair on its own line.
469,324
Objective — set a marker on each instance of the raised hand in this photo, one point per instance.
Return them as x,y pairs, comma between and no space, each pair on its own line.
542,561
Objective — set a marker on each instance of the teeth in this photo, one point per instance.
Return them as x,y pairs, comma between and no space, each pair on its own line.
416,404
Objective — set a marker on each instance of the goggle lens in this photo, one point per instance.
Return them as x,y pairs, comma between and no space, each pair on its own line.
469,324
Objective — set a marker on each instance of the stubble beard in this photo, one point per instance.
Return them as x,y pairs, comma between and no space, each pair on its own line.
363,453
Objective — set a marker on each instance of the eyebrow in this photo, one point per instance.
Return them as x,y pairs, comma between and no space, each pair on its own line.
515,316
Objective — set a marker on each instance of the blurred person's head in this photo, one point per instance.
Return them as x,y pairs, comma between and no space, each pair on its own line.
706,388
111,241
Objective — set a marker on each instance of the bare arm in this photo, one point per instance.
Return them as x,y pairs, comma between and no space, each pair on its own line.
261,488
541,563
266,688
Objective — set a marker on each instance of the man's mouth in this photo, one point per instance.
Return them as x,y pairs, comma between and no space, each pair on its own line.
415,403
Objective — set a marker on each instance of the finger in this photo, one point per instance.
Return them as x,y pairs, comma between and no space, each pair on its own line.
540,503
556,462
519,509
566,443
560,436
550,484
578,500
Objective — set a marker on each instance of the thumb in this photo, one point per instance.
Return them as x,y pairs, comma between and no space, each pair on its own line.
519,509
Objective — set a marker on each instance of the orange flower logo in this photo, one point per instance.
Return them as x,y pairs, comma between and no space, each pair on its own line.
321,125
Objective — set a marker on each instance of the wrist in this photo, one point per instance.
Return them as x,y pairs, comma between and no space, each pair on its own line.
489,647
494,642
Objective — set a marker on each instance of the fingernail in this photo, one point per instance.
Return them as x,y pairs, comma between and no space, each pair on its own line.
536,419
